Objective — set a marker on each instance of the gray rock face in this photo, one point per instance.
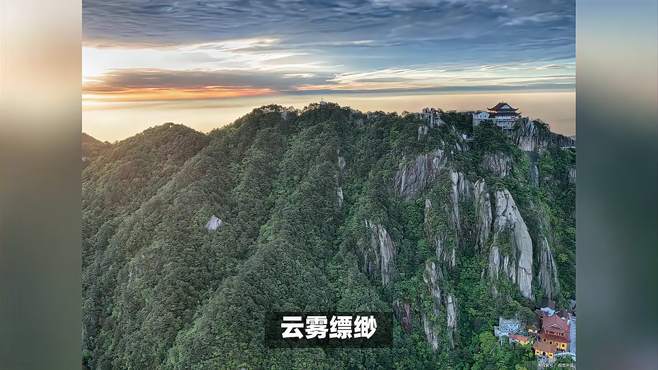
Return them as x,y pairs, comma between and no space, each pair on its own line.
534,175
499,164
462,190
432,278
548,279
431,334
403,313
572,175
528,138
341,164
532,136
437,122
341,173
214,223
414,177
428,209
422,131
483,214
515,262
339,194
451,315
384,249
441,301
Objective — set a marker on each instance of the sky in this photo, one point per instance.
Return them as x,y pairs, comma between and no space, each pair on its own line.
205,63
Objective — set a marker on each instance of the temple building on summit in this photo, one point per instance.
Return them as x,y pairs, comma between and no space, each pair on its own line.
502,115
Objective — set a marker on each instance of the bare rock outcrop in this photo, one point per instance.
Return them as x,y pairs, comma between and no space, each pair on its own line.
441,302
511,247
339,195
432,278
483,213
535,136
341,173
499,164
214,223
451,316
572,175
462,190
383,249
403,314
414,177
431,333
534,174
341,164
548,278
422,131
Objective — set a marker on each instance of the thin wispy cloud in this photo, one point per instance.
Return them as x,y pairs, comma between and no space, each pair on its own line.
185,50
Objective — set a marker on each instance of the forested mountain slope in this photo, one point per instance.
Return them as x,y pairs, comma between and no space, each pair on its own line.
325,209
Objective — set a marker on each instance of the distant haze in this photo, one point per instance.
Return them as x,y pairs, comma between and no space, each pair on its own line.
120,120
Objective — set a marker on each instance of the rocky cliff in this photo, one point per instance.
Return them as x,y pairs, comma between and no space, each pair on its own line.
382,252
499,164
535,136
510,250
415,176
548,275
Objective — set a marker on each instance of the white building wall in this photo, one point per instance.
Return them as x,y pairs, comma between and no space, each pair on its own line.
479,117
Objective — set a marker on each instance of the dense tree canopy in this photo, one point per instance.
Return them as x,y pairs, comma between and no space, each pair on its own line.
160,290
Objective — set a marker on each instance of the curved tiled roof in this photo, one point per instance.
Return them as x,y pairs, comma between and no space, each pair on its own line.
555,323
499,107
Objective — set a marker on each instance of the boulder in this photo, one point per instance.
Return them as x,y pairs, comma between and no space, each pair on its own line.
214,223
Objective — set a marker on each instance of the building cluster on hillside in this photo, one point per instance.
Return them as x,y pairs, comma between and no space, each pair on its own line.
502,115
555,337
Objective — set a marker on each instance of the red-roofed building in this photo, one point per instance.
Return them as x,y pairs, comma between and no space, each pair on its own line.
521,339
544,349
503,108
555,331
502,115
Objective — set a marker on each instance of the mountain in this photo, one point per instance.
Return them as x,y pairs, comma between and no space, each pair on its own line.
190,239
91,147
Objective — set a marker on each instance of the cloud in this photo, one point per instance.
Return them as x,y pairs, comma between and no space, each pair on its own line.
511,75
535,18
255,54
159,84
189,49
150,84
386,24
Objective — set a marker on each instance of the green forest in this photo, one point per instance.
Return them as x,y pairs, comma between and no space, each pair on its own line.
323,209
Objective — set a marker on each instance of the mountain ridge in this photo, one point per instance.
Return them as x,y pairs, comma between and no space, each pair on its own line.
308,199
